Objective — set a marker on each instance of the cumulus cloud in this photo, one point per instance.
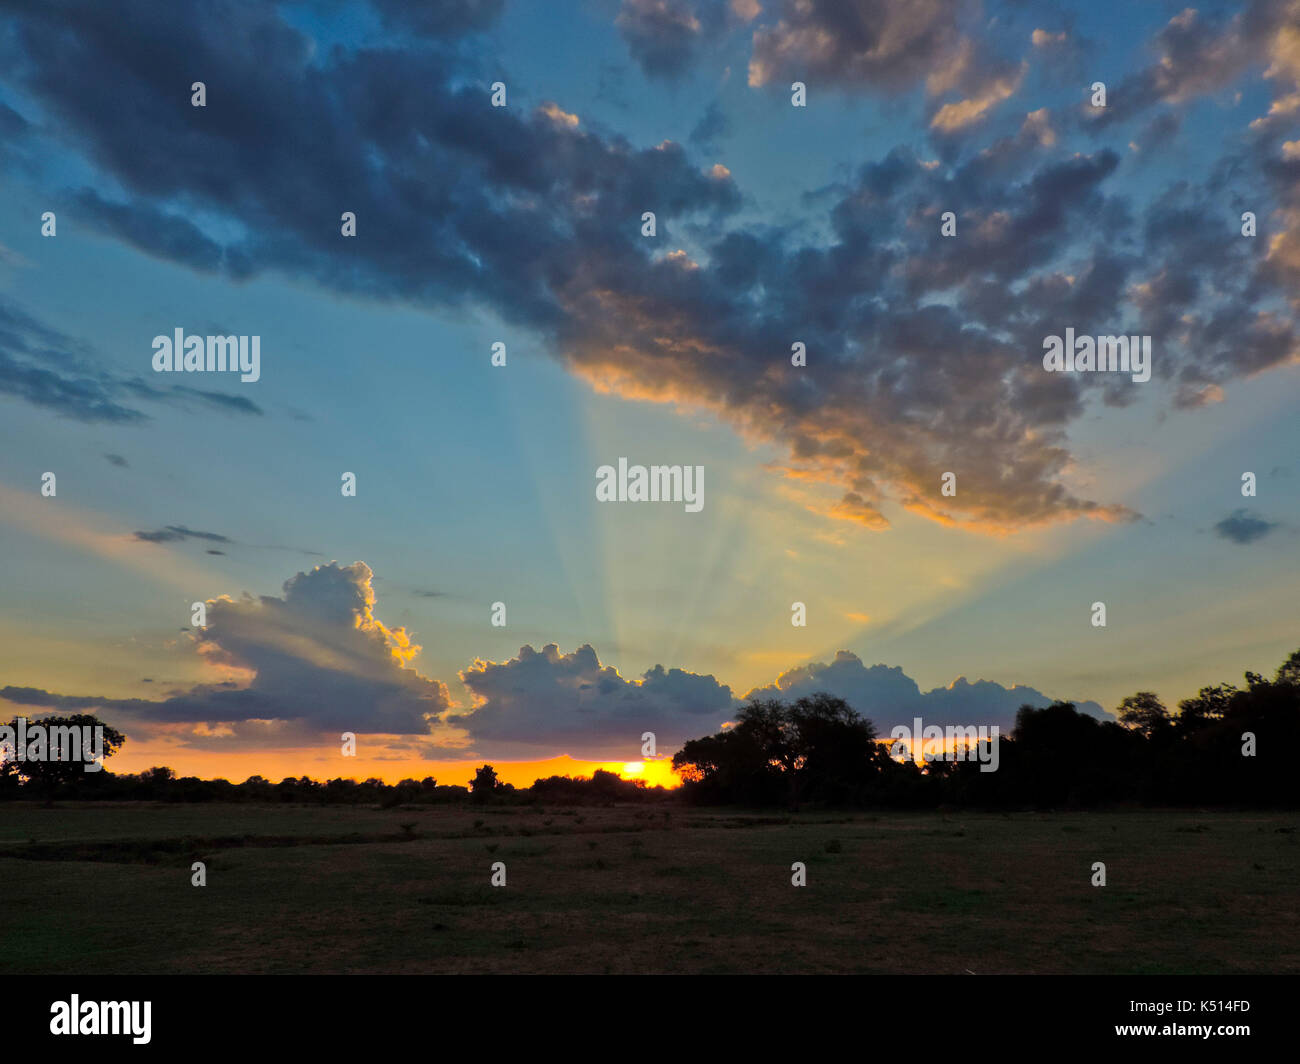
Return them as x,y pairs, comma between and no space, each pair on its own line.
548,700
888,696
300,668
543,697
313,661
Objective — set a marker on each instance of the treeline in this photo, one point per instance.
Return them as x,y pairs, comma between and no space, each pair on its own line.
1226,746
163,785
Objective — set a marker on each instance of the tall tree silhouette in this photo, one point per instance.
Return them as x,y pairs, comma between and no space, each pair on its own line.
484,783
49,776
1145,713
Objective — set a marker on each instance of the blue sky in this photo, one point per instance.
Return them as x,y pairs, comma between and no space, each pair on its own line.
522,225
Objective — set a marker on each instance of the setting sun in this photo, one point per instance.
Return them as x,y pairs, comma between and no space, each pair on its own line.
653,773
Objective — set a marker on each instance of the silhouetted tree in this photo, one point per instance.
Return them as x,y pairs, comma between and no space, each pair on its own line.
58,769
484,783
1210,704
1067,758
818,748
1145,714
1226,746
1289,671
733,766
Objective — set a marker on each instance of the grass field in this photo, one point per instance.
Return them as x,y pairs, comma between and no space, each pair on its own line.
106,889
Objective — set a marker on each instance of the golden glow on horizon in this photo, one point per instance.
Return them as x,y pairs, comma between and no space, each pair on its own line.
325,764
656,773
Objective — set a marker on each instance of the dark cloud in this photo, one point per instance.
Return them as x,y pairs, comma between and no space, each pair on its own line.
50,370
1195,55
34,696
117,460
1240,526
924,351
184,395
665,36
1209,299
179,533
544,697
474,187
175,533
548,698
231,404
888,696
891,46
923,355
886,44
160,233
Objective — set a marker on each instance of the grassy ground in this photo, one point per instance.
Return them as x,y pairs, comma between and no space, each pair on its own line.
106,889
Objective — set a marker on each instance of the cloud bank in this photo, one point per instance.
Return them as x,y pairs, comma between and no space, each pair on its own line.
924,352
301,668
888,696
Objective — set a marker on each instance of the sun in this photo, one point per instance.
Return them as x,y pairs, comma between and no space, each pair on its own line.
633,768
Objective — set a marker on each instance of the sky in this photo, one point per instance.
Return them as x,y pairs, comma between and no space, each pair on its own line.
823,224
